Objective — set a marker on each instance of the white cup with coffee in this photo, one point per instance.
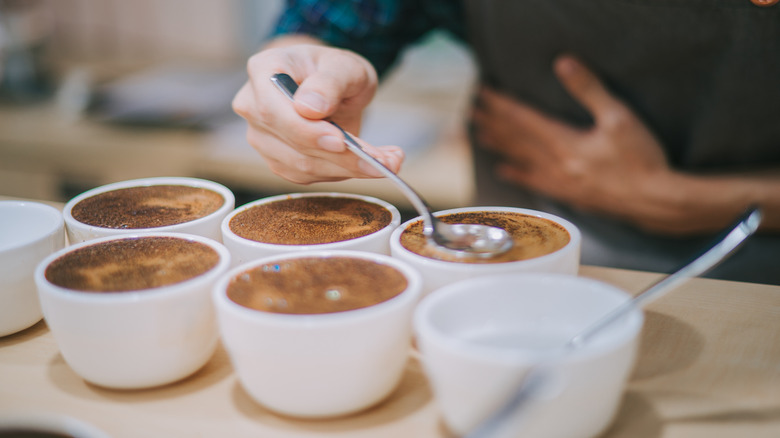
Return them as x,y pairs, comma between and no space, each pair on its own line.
479,338
314,221
29,231
319,333
133,311
542,243
157,204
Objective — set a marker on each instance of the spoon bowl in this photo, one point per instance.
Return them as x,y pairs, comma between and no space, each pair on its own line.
462,240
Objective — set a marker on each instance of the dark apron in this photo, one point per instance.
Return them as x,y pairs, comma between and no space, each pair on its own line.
703,74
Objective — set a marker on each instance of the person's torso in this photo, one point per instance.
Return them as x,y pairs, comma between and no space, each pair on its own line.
703,74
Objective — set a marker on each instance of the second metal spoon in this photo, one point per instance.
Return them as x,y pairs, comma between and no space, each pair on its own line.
462,240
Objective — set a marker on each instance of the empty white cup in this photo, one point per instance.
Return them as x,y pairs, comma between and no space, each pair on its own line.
478,339
206,226
324,364
136,338
29,231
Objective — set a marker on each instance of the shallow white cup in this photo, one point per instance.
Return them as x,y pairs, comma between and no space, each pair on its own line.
134,339
29,231
319,365
207,226
478,339
439,273
244,250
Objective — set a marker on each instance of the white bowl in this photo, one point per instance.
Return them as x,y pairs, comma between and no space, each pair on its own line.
478,339
134,339
207,226
245,250
319,365
29,231
439,273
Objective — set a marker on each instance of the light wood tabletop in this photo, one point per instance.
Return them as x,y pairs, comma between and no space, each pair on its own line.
709,366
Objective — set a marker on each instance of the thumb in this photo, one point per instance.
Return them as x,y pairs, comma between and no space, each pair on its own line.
585,87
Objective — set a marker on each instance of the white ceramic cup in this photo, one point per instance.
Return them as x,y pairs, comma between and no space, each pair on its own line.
439,273
134,339
207,226
478,338
244,250
319,365
29,231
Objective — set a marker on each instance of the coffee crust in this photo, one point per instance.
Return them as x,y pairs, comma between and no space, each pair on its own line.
310,220
131,264
533,236
147,206
315,285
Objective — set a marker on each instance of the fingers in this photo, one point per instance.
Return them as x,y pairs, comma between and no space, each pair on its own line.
588,89
343,84
305,169
291,136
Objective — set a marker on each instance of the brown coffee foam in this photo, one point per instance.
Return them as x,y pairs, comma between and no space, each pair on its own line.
303,285
310,220
147,206
533,236
131,264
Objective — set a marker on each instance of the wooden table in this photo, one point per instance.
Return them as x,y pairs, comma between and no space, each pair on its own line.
709,366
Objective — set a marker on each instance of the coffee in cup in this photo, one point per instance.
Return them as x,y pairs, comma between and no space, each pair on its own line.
309,221
532,235
316,285
132,264
318,333
177,204
133,311
541,243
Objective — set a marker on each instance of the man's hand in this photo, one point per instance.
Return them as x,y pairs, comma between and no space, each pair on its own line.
294,139
615,167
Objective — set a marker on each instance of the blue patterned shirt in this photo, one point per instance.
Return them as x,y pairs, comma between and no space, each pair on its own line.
377,29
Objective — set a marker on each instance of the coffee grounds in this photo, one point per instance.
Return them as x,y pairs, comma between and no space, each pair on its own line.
131,264
310,220
313,285
532,236
147,207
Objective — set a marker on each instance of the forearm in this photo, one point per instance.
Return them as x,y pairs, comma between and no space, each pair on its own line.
686,204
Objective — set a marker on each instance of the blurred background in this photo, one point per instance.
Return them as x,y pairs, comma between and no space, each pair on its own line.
97,91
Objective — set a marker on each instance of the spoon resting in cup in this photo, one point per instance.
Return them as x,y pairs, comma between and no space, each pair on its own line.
722,247
461,240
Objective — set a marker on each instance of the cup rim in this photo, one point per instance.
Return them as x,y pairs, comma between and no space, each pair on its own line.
412,292
160,292
424,327
54,227
227,205
227,233
50,422
575,239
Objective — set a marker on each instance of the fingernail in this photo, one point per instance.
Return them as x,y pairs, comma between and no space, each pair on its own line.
331,143
313,101
368,169
398,153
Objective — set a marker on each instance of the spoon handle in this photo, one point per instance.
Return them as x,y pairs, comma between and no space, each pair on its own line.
723,246
288,86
